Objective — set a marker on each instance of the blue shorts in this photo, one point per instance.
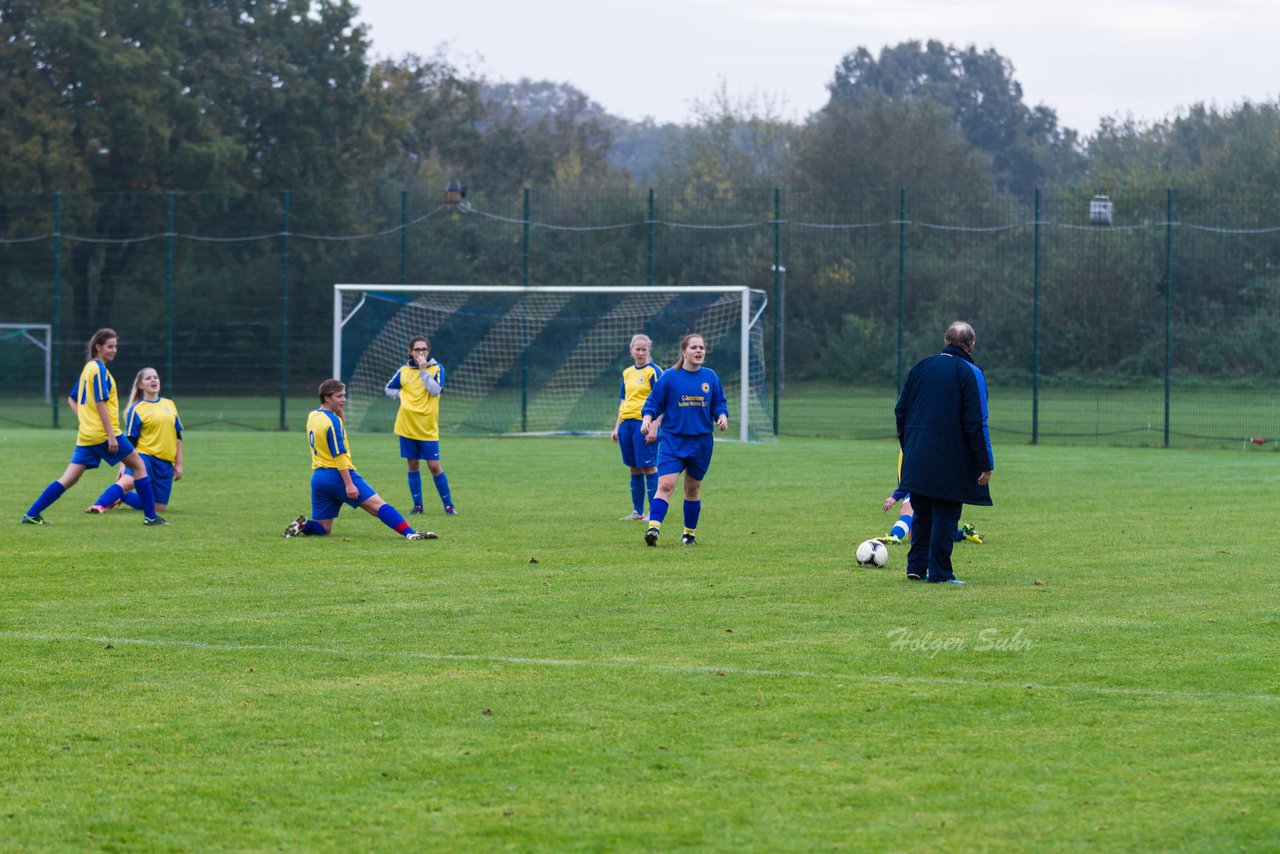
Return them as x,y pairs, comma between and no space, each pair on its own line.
329,493
690,454
160,473
91,456
636,452
419,449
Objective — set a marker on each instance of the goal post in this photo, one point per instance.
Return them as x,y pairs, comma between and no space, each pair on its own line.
543,359
18,362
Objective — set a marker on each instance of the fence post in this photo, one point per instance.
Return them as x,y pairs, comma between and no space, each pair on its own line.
284,313
779,302
1035,331
1168,306
524,350
902,285
649,238
57,298
404,237
168,288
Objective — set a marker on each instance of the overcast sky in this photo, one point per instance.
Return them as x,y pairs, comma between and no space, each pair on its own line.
1084,58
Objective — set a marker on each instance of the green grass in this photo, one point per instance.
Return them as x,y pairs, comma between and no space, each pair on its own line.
538,680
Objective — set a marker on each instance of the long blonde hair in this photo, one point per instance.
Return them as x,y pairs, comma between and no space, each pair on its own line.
138,393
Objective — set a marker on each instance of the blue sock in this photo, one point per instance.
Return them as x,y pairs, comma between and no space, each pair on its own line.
637,492
391,517
657,512
692,510
311,529
442,487
110,495
51,493
415,487
902,527
142,485
958,535
651,486
132,500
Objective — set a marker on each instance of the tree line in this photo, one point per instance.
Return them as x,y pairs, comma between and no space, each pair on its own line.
230,103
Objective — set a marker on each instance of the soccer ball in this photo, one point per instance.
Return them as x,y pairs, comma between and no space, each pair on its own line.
872,553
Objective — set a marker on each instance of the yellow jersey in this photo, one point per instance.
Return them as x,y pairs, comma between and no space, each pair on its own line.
96,384
419,415
327,436
157,426
634,389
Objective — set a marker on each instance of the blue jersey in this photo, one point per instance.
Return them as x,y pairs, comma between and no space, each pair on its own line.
689,402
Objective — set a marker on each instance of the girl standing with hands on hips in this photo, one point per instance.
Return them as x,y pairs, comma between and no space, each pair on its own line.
99,438
690,401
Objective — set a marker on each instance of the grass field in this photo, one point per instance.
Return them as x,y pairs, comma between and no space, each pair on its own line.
538,680
1212,417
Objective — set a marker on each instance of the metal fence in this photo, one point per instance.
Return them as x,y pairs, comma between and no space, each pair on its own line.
1155,328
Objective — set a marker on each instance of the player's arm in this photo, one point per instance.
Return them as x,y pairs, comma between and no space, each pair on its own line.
392,389
350,485
434,385
720,406
177,460
112,444
71,399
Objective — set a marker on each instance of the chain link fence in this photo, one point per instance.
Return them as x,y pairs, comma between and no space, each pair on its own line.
1155,327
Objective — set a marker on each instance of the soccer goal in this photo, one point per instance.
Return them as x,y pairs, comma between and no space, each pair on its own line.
27,372
545,359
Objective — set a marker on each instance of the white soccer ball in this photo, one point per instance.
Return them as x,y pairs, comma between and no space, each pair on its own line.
872,553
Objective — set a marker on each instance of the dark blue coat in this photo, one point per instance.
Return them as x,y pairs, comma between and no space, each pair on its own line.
942,428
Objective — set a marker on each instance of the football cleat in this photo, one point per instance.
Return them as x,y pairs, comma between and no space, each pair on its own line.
651,537
294,528
688,540
34,520
972,535
889,540
416,511
154,521
96,508
633,516
422,535
449,511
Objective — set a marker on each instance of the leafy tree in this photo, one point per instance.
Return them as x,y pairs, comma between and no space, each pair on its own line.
978,90
195,95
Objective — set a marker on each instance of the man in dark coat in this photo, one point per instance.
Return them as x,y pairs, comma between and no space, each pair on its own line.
946,450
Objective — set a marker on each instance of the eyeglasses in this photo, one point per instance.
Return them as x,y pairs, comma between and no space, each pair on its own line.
421,349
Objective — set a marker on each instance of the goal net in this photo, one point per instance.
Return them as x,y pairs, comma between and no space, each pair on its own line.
542,360
26,360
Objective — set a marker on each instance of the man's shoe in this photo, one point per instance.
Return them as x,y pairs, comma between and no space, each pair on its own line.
912,576
889,540
449,511
154,521
34,520
651,537
95,508
422,535
416,511
633,516
294,528
688,540
952,580
971,534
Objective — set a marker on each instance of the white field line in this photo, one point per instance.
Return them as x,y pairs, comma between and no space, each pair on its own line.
657,667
